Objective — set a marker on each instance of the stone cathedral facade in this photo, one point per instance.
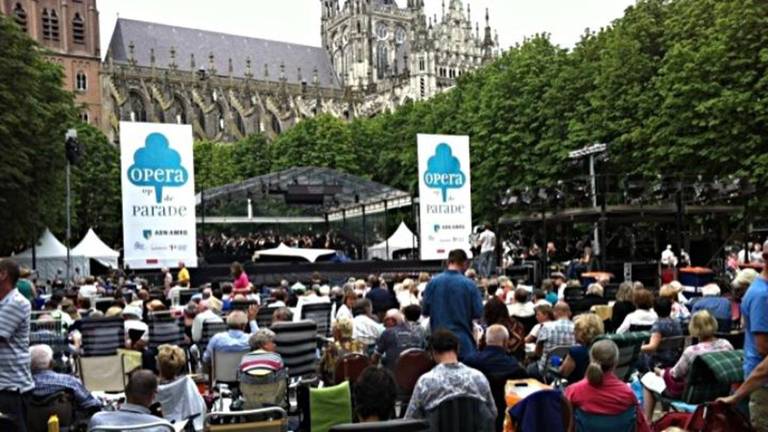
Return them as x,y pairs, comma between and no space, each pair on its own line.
375,56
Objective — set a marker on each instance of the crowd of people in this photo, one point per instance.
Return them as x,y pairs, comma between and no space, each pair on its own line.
244,246
476,329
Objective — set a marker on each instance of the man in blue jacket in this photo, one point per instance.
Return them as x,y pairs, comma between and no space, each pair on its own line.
452,301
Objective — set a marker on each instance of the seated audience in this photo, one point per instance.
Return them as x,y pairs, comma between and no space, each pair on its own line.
367,330
522,306
208,310
543,314
343,344
539,298
664,327
494,359
375,393
593,297
643,316
380,297
406,292
396,339
559,332
48,382
623,305
140,395
678,312
282,314
263,358
412,315
233,340
177,393
449,379
586,328
348,302
136,330
495,312
602,392
702,326
718,306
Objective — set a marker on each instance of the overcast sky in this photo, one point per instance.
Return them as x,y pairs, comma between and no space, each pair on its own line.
298,21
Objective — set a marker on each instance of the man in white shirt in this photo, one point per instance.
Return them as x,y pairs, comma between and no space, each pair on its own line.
487,260
89,289
209,310
366,329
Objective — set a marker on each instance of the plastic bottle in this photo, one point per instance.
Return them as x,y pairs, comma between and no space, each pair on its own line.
53,423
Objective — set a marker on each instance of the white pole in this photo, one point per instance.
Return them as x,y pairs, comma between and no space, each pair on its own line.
250,209
593,179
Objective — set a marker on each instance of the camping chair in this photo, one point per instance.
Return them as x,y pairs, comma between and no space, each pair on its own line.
40,409
384,426
320,313
624,422
710,377
102,303
410,366
264,316
539,411
330,406
349,367
461,414
164,329
100,366
735,338
264,391
629,351
225,366
272,419
296,342
210,329
573,295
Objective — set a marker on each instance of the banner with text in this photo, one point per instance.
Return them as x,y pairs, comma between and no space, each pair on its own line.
445,198
158,183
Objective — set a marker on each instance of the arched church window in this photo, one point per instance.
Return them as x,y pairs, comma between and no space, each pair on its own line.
20,16
382,60
81,81
78,30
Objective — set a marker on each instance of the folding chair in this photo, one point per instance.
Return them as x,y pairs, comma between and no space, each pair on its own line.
586,422
629,351
210,329
154,426
320,313
100,366
673,345
164,328
349,367
272,419
264,391
410,366
264,316
461,414
225,366
296,343
550,372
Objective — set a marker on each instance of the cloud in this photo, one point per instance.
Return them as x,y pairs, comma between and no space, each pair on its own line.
157,165
444,171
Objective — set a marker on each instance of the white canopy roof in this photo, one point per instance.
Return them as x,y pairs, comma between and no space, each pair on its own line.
91,246
48,246
310,255
402,238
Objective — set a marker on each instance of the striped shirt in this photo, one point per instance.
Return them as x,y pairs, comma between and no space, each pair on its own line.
15,373
260,363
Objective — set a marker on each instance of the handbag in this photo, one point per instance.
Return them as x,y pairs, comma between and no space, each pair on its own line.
718,417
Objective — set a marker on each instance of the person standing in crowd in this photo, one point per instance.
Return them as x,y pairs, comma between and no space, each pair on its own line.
15,374
167,281
183,276
452,301
381,298
487,259
755,317
449,379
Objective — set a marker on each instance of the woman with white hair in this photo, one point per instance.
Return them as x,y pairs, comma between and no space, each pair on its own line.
263,359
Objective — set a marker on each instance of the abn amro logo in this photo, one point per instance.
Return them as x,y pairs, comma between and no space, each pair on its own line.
157,165
444,171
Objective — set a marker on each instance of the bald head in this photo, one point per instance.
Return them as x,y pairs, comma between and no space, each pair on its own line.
497,335
562,310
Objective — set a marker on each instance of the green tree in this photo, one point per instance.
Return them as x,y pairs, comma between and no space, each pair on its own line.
34,114
323,141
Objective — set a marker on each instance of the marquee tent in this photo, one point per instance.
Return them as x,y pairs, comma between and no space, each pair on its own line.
402,239
284,251
91,246
50,256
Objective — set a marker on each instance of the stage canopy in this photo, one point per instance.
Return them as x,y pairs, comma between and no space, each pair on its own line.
298,195
91,246
401,239
284,251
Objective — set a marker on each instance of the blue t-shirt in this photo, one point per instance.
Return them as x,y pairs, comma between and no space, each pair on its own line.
452,301
754,309
719,307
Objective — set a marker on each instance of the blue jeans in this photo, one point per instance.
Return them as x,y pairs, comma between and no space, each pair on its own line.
486,264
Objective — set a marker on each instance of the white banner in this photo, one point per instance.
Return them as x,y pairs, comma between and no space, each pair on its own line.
445,198
158,183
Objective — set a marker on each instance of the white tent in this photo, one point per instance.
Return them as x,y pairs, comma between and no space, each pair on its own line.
92,247
403,238
50,256
310,255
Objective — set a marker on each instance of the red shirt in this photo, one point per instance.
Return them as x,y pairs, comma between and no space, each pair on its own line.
242,282
612,397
